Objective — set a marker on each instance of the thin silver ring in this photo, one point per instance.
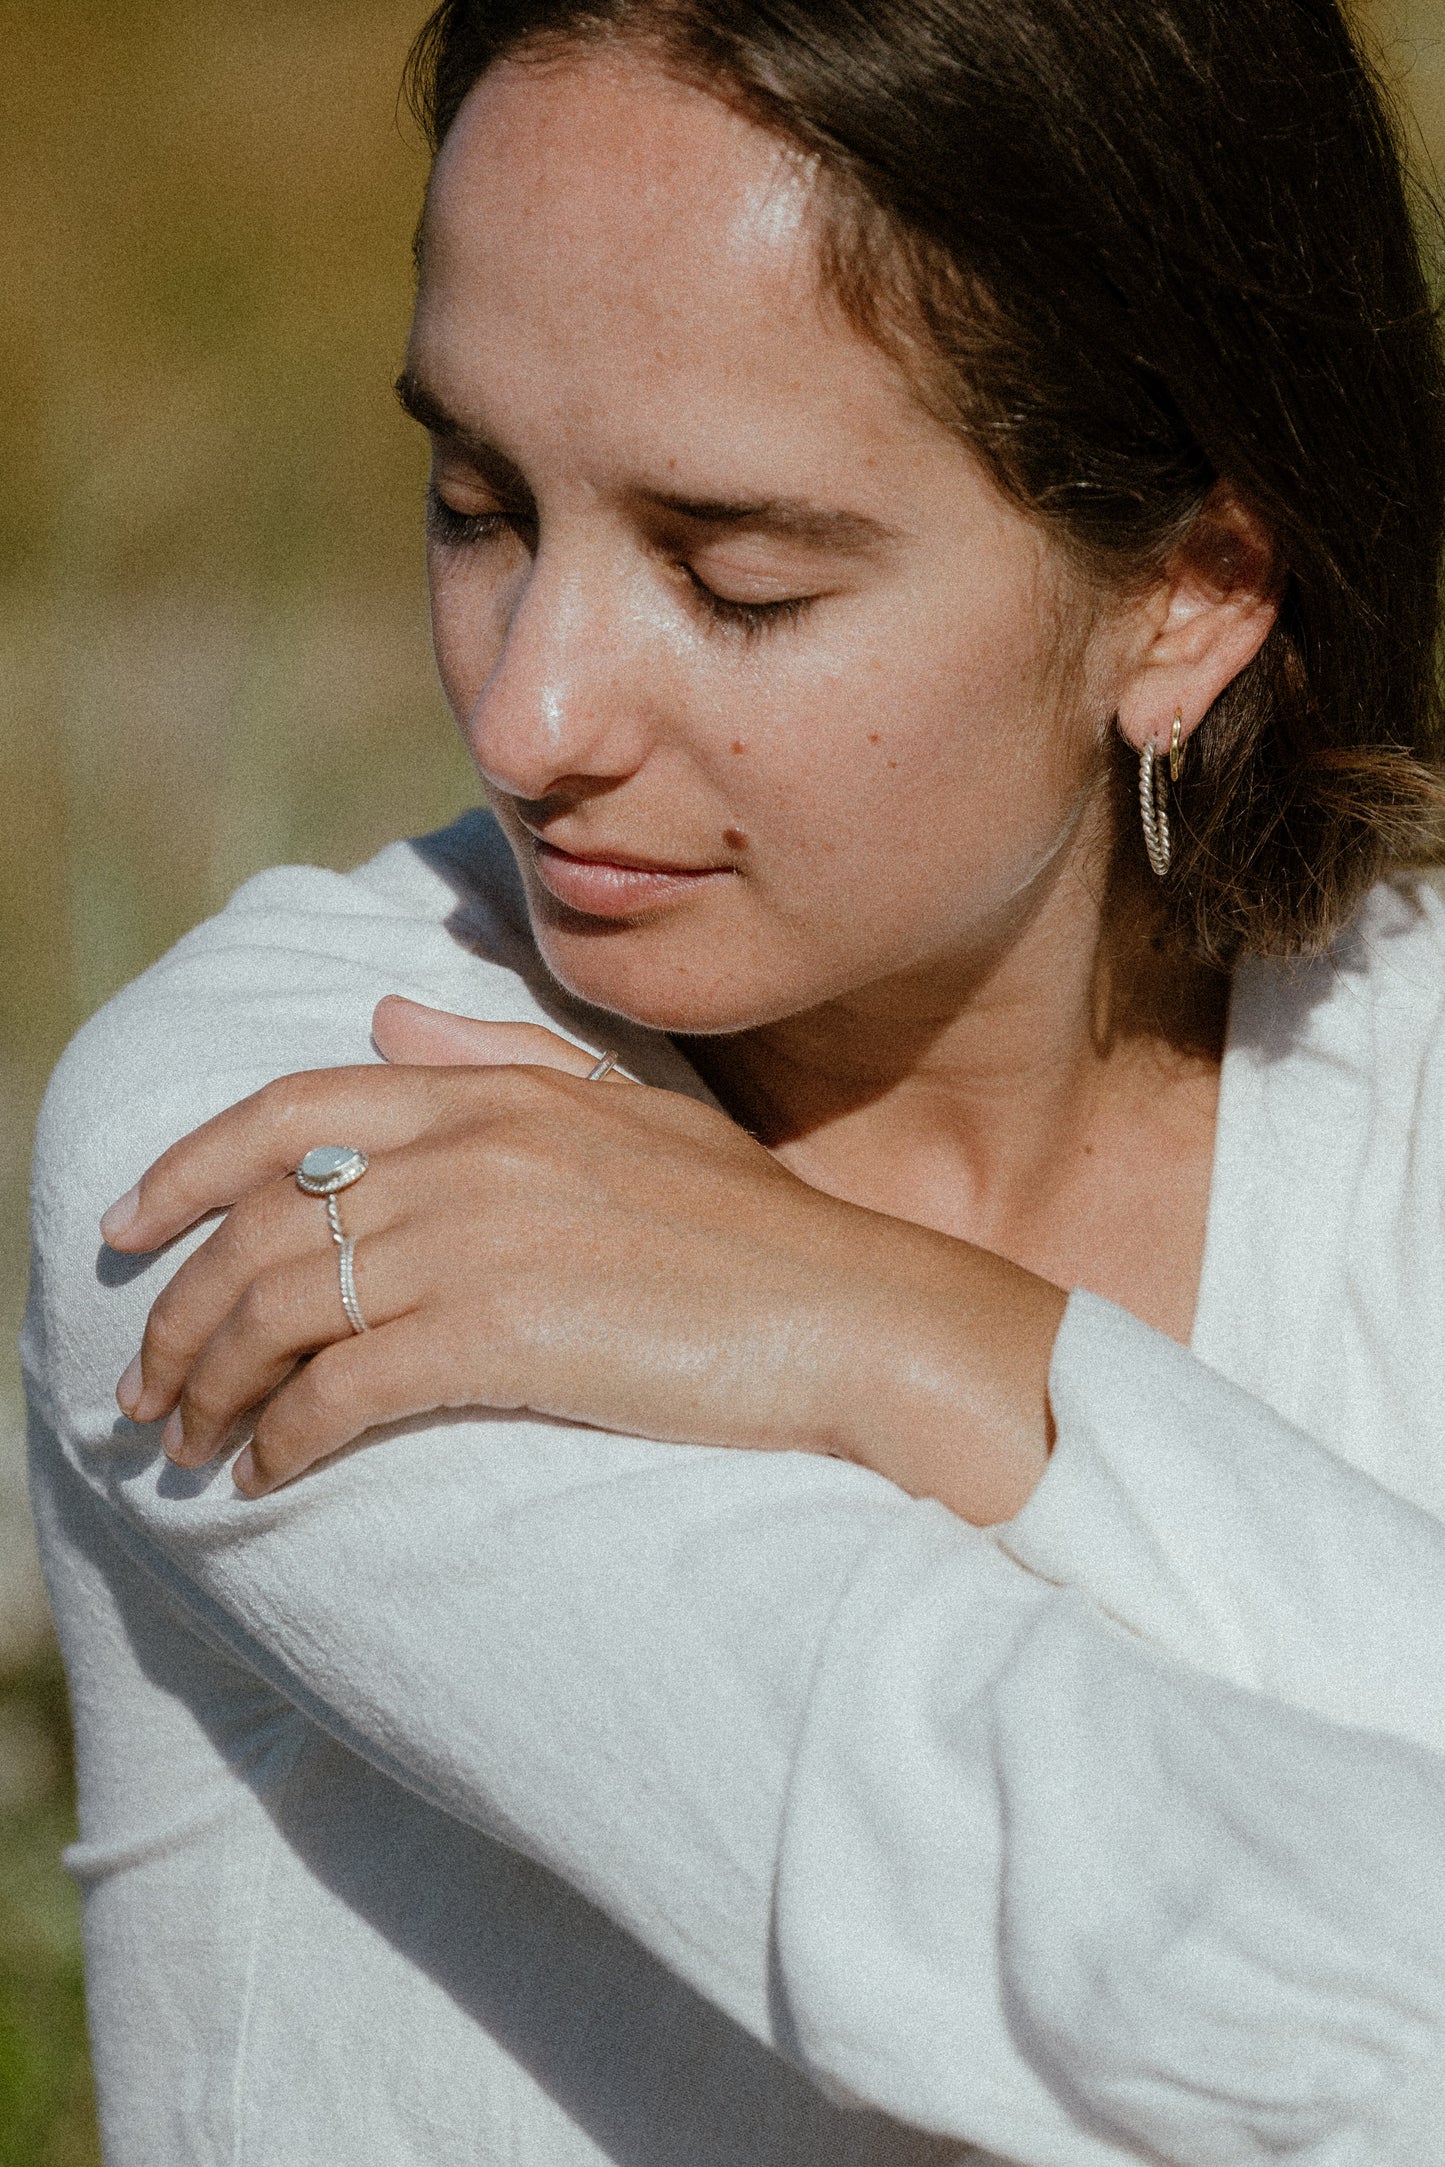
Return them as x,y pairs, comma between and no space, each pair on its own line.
604,1068
349,1302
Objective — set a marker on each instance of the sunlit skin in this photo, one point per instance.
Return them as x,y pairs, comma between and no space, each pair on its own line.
796,726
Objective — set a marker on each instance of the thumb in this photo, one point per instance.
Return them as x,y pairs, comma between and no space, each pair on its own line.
413,1035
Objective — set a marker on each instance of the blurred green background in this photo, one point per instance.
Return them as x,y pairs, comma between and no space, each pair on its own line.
213,650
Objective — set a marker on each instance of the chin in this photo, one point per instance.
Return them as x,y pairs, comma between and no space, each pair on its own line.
660,985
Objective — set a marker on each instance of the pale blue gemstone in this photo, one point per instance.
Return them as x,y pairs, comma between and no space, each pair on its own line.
331,1167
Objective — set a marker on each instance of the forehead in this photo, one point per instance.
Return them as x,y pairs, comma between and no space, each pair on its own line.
603,159
597,226
614,118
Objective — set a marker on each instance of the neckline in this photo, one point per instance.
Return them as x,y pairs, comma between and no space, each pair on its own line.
1216,1206
1217,1209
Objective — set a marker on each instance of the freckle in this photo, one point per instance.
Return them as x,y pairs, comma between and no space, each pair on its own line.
735,839
872,737
739,744
893,763
672,466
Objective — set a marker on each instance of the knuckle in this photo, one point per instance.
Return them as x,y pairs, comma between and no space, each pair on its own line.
330,1387
244,1227
265,1305
521,1085
318,1397
288,1103
166,1336
278,1100
274,1454
309,1417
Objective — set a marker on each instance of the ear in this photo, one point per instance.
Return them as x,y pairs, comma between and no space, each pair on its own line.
1206,621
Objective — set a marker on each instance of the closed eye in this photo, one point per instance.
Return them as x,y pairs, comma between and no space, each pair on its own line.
751,619
449,528
452,529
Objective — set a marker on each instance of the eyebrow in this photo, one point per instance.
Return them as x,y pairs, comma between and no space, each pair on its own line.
425,407
793,518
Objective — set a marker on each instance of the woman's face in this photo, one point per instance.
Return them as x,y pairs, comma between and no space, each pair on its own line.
764,676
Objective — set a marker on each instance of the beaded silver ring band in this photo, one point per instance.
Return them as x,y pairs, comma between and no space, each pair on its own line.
325,1172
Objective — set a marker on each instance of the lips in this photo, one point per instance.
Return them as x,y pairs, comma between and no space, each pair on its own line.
601,887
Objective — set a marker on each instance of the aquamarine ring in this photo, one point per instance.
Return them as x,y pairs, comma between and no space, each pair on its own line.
325,1172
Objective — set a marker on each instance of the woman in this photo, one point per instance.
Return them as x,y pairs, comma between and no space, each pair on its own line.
934,543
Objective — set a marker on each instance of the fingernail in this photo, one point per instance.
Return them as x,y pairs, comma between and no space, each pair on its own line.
243,1471
173,1437
128,1391
122,1216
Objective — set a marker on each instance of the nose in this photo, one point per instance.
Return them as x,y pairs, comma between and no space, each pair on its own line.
562,709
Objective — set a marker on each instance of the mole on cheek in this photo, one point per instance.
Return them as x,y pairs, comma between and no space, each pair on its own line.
740,744
873,736
735,839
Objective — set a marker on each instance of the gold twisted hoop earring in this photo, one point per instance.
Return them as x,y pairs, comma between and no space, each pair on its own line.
1154,797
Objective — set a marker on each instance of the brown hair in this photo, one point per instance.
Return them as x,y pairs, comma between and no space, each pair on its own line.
1155,244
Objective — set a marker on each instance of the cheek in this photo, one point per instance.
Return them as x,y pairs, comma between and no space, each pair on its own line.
946,762
455,664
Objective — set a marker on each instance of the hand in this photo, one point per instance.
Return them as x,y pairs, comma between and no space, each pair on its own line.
614,1255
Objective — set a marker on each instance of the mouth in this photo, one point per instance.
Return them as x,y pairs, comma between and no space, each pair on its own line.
625,886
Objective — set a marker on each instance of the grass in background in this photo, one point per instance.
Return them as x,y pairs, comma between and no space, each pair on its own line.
213,642
212,637
47,2111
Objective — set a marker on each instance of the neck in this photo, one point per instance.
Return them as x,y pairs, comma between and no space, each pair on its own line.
962,1094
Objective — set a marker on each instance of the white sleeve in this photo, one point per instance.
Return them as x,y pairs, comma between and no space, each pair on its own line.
1192,1513
1177,1791
942,1831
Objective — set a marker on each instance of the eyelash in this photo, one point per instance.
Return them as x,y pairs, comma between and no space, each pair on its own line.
454,529
460,530
750,619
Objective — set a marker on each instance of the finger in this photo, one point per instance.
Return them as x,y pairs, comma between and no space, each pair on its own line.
257,1235
282,1316
409,1032
353,1386
266,1135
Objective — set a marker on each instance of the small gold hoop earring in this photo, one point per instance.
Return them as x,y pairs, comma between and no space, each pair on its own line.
1176,747
1154,810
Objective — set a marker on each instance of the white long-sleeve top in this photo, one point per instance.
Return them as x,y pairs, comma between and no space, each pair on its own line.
510,1792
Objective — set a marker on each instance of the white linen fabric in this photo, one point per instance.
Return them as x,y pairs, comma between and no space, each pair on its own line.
510,1792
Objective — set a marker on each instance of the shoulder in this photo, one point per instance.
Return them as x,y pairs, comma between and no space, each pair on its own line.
277,981
1373,1006
286,978
1325,1271
1338,1064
